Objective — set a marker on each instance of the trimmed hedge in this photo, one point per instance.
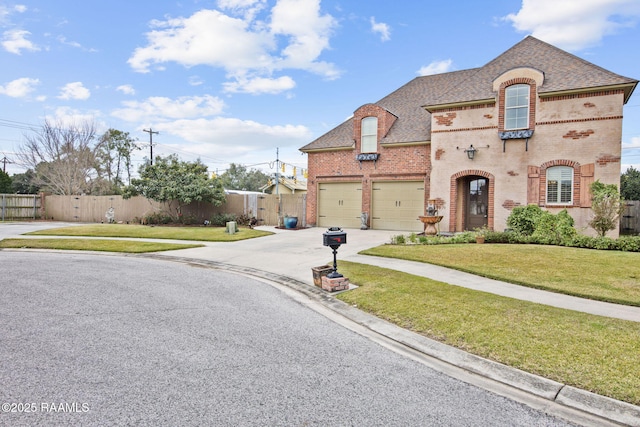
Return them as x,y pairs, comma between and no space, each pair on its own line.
623,243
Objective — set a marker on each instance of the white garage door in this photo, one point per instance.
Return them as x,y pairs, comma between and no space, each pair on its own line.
339,204
397,205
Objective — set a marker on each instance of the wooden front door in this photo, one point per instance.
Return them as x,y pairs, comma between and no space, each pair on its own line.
477,202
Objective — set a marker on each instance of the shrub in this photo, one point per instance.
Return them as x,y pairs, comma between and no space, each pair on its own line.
523,219
554,229
158,218
398,240
221,219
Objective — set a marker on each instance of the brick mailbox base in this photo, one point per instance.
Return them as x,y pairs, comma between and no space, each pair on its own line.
334,285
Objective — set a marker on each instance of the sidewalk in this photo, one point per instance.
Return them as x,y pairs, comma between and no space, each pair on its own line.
294,253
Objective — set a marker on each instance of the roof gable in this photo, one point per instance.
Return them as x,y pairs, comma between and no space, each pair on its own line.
562,72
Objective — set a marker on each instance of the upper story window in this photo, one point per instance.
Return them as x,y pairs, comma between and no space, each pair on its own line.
516,114
560,185
369,135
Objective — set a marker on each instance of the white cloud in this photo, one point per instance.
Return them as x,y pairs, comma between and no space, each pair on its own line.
228,137
260,85
15,41
71,117
436,67
157,108
294,38
246,8
19,88
381,28
75,90
574,25
195,81
126,89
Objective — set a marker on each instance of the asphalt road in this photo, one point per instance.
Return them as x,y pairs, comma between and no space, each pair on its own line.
112,340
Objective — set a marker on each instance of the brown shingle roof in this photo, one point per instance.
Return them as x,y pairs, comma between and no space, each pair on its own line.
562,72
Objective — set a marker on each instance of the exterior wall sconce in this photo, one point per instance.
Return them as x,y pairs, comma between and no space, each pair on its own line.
471,152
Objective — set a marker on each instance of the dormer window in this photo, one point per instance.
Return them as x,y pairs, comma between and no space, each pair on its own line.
369,135
516,114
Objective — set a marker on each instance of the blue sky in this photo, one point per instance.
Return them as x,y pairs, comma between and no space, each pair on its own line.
229,81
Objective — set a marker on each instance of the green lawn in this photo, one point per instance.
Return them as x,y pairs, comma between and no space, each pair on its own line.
590,352
602,275
208,234
126,246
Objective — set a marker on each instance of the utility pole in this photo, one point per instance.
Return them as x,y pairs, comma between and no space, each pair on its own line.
4,161
151,132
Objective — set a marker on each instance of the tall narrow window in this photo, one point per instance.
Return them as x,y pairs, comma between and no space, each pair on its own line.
369,135
560,185
516,114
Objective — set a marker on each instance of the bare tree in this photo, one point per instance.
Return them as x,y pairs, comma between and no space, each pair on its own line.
62,156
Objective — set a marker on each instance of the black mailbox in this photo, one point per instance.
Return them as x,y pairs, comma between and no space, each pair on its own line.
334,236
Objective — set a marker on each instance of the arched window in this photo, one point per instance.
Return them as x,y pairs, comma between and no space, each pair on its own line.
516,114
560,185
369,135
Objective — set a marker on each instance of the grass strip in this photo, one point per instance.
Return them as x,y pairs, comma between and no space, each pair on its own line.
126,246
208,234
590,352
611,276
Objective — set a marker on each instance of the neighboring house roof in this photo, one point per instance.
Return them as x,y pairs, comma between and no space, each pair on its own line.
289,183
562,72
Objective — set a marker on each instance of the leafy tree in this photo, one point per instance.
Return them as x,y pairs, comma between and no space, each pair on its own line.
22,183
237,177
177,183
630,184
62,157
607,205
5,182
113,156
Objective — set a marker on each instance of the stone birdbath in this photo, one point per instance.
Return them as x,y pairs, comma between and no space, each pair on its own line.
430,222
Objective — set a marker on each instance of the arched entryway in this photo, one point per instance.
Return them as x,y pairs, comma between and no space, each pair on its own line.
476,195
472,198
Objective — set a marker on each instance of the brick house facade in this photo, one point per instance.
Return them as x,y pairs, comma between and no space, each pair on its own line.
534,125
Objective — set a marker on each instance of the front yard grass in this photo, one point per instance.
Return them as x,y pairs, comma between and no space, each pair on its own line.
611,276
208,234
125,246
590,352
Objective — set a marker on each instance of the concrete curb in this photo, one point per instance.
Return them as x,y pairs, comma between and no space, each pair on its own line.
553,391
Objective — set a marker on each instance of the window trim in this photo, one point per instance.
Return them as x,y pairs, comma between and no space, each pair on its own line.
371,145
516,107
557,172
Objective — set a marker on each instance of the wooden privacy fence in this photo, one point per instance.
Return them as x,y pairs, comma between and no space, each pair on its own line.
20,206
630,218
265,207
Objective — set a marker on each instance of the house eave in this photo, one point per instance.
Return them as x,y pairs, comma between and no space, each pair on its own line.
327,149
403,144
627,88
432,108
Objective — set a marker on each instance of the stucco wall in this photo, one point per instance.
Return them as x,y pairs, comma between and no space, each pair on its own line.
584,129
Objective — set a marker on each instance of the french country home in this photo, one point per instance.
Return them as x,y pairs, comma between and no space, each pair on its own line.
536,125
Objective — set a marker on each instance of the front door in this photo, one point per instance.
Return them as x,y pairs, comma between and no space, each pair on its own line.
477,201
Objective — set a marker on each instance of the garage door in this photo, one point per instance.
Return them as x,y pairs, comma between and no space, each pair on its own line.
339,204
397,205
